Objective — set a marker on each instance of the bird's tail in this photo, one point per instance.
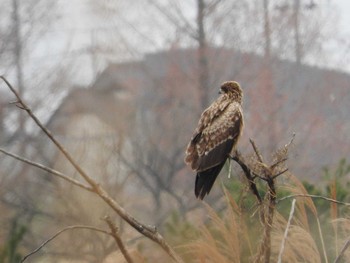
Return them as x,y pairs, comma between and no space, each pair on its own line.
205,180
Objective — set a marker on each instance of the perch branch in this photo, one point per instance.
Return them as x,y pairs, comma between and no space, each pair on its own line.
271,197
248,173
147,231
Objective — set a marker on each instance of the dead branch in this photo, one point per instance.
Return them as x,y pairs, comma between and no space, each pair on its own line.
257,152
264,252
20,103
313,196
47,169
60,232
118,240
291,141
278,162
145,230
269,173
280,173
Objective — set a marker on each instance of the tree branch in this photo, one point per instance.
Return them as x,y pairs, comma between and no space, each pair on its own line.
60,232
47,169
20,103
145,230
313,196
257,152
248,173
114,234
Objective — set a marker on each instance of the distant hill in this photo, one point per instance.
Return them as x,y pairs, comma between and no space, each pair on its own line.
311,101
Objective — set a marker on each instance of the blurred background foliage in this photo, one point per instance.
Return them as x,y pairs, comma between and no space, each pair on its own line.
122,83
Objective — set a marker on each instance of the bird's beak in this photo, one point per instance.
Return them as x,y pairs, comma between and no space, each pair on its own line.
220,91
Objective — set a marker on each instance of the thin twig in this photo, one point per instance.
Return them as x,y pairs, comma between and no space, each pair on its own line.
286,231
278,162
257,152
341,254
47,169
60,232
51,137
313,196
145,230
280,173
118,240
291,141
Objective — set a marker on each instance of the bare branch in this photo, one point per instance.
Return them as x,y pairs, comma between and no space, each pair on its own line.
145,230
257,152
60,232
313,196
48,133
47,169
291,140
114,234
278,162
280,173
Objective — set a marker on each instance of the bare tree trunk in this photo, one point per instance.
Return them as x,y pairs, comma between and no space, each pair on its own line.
297,33
202,56
18,57
267,80
267,31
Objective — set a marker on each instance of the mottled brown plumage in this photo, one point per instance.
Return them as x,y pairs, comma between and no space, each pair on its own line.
217,133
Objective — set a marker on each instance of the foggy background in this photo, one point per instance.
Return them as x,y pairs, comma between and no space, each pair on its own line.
122,84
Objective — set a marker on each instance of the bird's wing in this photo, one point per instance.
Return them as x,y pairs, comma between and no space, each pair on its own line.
215,138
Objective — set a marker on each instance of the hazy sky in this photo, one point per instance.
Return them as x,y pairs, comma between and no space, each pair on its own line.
344,8
76,29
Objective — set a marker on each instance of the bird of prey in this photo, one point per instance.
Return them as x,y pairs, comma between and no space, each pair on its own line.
216,135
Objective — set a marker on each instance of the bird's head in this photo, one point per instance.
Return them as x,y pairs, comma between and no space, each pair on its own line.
232,90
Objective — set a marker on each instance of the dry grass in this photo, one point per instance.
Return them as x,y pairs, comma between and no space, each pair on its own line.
221,240
343,227
299,246
232,237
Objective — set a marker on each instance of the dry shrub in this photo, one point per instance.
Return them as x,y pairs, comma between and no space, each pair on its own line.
232,237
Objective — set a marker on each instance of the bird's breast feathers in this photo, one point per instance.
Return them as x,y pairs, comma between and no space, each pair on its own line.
217,133
226,126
